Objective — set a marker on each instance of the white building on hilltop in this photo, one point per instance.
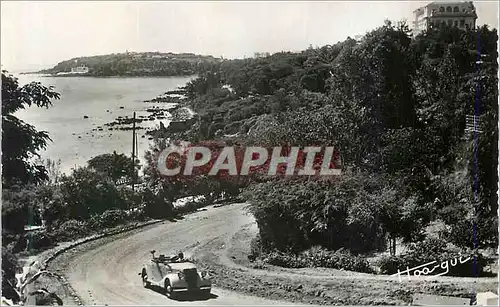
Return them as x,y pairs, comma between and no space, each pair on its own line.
461,14
80,70
259,55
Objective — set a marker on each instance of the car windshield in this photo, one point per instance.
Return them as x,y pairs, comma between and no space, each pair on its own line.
179,266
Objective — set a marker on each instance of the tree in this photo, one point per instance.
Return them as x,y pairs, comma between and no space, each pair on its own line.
114,165
394,106
295,215
457,76
19,208
199,182
371,87
9,268
88,192
21,142
53,208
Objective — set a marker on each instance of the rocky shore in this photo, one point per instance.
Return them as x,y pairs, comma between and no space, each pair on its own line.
169,106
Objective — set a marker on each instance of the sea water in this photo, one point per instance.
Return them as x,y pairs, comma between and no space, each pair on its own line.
101,99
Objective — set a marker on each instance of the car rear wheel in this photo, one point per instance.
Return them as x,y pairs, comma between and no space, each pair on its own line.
168,289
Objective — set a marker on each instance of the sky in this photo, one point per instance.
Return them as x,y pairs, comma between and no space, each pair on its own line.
39,34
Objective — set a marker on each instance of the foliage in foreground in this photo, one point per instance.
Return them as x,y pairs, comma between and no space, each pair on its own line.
9,270
21,142
340,259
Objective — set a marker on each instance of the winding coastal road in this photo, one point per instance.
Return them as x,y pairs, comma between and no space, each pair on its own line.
108,274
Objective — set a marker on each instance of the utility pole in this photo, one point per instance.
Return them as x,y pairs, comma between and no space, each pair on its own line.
133,153
136,155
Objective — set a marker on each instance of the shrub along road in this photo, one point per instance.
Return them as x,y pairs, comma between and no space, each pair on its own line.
105,271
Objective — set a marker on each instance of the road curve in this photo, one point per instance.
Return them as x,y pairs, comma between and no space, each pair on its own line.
108,274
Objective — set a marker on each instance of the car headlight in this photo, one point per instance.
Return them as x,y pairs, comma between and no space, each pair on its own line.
180,275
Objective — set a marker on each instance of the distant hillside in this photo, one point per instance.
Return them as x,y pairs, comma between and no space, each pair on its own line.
138,64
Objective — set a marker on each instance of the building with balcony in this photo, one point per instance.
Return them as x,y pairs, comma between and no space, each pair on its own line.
80,70
460,14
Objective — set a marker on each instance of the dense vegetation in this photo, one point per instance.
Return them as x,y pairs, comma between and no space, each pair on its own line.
395,107
21,141
86,201
71,206
139,64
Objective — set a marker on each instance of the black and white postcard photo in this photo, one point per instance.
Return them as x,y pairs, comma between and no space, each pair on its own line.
250,153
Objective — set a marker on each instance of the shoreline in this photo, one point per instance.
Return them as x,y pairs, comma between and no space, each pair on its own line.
101,125
96,76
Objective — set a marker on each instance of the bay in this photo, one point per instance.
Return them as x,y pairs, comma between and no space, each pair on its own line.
101,99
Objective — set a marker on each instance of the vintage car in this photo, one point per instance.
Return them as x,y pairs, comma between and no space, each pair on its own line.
175,275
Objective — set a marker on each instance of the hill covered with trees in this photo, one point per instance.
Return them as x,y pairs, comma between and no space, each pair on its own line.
395,106
139,64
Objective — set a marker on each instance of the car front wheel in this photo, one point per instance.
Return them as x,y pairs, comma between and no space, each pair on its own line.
168,289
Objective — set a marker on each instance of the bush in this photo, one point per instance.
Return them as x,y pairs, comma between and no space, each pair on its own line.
190,206
136,214
391,264
13,241
460,234
434,249
131,199
9,269
297,215
88,192
19,208
155,204
109,218
255,247
113,165
339,259
39,240
70,230
284,259
320,257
